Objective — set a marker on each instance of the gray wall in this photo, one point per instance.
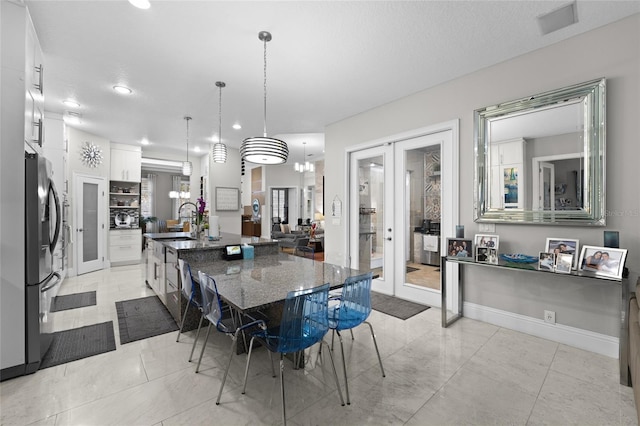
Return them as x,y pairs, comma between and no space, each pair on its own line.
611,52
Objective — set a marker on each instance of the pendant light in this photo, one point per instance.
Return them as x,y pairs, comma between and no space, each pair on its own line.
219,150
264,150
186,165
305,166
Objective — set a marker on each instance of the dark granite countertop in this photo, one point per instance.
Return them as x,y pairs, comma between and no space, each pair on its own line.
257,283
205,244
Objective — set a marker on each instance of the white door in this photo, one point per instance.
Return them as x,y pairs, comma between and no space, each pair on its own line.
371,214
89,223
394,188
544,192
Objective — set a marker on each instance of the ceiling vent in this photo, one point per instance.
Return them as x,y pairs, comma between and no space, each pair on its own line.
559,18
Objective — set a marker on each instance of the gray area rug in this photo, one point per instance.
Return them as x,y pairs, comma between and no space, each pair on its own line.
73,301
142,318
77,343
393,306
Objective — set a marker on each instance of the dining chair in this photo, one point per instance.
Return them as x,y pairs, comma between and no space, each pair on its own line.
304,323
212,310
304,251
352,310
189,292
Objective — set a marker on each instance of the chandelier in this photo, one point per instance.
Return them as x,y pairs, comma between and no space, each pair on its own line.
219,150
305,166
264,150
186,165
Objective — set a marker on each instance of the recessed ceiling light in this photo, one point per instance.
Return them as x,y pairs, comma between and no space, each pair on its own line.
237,126
71,103
141,4
123,90
144,141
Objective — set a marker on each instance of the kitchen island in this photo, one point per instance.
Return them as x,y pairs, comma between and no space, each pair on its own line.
165,248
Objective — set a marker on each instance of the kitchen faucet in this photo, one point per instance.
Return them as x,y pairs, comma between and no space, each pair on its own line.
184,204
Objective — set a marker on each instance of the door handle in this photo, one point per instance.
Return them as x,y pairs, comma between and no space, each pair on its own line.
80,230
388,238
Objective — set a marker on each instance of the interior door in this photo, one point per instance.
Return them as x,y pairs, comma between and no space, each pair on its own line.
371,214
90,223
546,186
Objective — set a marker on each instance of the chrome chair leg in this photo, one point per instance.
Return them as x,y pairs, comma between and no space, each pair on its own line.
203,346
273,370
335,373
234,341
246,369
344,369
193,347
351,330
184,317
375,343
284,410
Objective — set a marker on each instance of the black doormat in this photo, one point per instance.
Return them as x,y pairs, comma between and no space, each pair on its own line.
77,343
142,318
73,301
393,306
411,269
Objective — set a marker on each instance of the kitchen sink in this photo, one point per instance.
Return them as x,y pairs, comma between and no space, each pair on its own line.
167,240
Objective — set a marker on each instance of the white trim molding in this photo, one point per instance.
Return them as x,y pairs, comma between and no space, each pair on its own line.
583,339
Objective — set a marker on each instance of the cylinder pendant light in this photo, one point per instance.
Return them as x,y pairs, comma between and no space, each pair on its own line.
264,150
186,165
219,150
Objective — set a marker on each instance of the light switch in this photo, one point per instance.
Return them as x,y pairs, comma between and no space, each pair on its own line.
487,227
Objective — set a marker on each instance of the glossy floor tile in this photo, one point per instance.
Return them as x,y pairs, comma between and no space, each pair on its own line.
470,373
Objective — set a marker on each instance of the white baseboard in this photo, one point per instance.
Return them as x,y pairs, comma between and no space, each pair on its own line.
576,337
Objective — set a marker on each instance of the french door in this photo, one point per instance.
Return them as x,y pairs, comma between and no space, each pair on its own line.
89,223
403,204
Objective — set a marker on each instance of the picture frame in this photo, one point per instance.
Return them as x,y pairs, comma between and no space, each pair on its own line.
460,247
564,245
564,263
487,240
546,261
486,255
602,261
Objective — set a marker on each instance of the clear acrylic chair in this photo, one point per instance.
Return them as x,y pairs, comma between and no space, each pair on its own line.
352,310
191,293
304,323
212,310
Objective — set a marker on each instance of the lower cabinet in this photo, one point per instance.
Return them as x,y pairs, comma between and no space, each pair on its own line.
124,246
172,287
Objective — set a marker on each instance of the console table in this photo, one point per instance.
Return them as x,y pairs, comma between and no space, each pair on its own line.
447,319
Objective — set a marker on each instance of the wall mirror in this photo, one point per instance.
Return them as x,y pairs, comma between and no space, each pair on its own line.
541,159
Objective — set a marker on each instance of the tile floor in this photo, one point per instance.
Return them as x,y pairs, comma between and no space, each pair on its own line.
470,373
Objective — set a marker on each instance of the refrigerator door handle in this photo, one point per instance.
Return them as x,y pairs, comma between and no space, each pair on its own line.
48,286
56,235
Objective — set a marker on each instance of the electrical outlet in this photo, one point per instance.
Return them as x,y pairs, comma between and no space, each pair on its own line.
550,317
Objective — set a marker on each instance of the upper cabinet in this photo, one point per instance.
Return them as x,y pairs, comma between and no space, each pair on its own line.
126,163
34,87
507,174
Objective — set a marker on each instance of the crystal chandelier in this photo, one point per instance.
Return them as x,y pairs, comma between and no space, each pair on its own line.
264,150
186,165
219,150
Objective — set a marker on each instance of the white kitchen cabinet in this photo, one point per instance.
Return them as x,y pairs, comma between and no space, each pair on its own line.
126,163
125,246
507,174
34,88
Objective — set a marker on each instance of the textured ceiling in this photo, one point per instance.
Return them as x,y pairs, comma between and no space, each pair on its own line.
327,60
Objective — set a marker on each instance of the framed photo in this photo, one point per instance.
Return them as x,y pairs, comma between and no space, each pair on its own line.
565,246
487,255
488,241
602,261
459,247
546,261
564,263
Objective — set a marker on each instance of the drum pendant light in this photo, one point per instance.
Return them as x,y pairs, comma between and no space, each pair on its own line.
186,165
264,150
219,150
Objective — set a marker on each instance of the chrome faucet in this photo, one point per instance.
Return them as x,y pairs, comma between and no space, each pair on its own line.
184,204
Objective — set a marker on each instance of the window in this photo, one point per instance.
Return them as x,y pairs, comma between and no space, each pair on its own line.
280,204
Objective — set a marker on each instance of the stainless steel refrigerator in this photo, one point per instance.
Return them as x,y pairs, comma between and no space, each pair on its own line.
42,230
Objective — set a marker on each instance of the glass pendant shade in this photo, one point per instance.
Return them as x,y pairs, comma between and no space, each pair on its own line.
186,168
219,153
264,150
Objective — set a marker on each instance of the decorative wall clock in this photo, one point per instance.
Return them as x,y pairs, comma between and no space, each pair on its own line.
91,155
